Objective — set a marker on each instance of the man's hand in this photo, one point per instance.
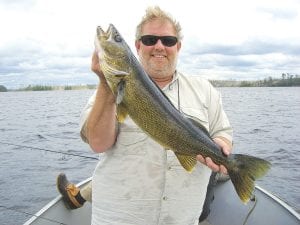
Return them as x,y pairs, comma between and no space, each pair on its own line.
95,66
226,148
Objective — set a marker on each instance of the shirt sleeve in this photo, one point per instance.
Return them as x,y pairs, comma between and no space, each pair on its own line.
218,120
84,115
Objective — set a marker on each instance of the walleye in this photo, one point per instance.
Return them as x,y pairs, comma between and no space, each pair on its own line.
140,98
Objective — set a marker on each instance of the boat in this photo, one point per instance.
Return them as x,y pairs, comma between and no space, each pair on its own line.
264,208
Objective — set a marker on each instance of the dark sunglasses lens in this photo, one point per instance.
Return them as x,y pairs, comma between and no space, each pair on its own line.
149,40
168,40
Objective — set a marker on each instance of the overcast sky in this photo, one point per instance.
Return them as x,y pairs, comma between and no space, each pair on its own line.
51,41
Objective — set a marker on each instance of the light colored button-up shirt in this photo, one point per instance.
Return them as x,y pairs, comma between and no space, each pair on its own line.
138,182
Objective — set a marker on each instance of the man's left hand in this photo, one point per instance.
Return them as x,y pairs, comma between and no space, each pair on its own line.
226,148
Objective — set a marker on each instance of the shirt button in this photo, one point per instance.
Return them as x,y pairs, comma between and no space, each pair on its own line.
165,198
169,167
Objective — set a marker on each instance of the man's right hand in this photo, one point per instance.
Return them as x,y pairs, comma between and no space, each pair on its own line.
95,66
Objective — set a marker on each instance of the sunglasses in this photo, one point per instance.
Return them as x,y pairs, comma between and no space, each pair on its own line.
150,40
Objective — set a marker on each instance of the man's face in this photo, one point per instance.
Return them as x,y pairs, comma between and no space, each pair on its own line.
158,60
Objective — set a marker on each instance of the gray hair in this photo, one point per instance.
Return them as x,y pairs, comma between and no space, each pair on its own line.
153,13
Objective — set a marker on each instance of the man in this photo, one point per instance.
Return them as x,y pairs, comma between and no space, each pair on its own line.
137,181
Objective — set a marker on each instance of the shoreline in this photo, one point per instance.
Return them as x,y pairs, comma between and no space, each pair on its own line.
267,82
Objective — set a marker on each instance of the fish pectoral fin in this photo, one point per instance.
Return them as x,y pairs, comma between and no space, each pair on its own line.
120,91
121,113
121,109
188,162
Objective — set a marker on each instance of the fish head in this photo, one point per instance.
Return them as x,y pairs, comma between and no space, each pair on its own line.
114,54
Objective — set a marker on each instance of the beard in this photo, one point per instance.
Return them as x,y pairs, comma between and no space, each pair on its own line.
155,68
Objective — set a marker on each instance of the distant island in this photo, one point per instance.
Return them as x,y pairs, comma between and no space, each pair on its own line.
286,80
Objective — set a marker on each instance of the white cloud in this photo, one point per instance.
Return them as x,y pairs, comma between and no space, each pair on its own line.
233,39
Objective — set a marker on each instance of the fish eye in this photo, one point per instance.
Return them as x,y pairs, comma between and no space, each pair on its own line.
118,38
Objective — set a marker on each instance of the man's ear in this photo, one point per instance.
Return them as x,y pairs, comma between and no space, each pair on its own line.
137,45
178,46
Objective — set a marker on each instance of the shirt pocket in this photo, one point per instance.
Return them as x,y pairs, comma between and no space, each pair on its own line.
131,139
200,115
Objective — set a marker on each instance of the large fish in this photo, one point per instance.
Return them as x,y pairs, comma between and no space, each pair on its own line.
140,98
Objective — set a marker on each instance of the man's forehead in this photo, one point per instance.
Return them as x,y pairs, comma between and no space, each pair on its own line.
159,25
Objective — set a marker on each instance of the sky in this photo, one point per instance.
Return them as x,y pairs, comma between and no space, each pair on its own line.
50,42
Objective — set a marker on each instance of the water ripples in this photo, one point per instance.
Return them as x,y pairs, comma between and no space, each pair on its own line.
266,124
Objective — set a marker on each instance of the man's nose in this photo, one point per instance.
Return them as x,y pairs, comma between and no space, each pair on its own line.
159,44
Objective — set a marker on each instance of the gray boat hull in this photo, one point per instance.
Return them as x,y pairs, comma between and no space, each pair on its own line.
226,209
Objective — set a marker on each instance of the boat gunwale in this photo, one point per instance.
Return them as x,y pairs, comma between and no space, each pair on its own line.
280,202
39,214
51,204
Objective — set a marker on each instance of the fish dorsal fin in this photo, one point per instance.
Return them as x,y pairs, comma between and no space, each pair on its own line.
188,162
121,110
196,123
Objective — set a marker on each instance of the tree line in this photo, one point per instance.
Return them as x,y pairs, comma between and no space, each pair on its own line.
49,87
286,80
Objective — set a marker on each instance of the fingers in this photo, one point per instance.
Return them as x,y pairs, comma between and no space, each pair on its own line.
201,159
226,150
223,169
95,66
95,62
214,167
225,145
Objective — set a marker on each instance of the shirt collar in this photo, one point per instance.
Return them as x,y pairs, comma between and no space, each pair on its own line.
170,85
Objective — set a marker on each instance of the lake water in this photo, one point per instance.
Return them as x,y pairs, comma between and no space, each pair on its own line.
266,124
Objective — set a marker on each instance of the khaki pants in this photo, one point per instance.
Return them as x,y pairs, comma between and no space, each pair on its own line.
86,191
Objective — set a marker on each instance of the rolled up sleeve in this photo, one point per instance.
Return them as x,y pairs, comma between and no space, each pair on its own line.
84,115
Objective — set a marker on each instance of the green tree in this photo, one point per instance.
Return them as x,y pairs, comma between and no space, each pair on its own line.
3,88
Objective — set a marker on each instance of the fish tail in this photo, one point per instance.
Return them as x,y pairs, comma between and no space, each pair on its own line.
243,171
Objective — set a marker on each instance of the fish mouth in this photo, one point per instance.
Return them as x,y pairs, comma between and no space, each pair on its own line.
102,33
111,32
111,46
